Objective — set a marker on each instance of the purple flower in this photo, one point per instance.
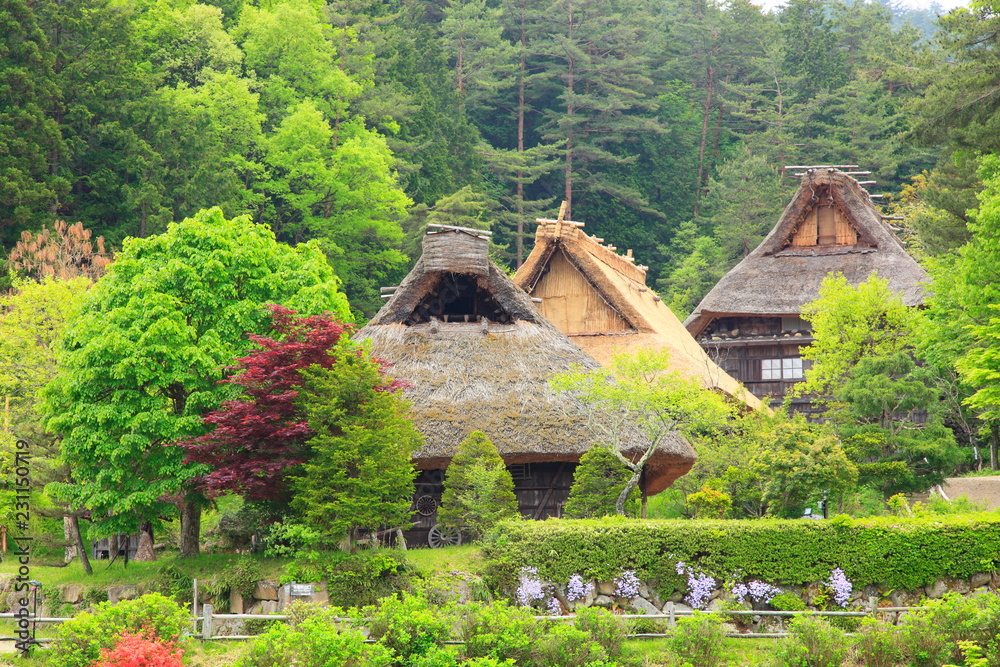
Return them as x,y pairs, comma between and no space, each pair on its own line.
757,591
681,567
700,586
553,607
627,585
577,588
840,586
531,588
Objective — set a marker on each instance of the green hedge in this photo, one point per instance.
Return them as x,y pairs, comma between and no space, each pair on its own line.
890,552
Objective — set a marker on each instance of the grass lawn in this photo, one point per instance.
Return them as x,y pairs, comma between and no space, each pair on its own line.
465,558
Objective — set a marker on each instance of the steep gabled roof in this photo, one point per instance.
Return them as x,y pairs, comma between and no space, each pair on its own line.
785,271
634,316
477,355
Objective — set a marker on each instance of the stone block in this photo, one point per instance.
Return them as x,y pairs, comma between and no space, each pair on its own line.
236,605
265,590
603,601
643,606
119,593
936,590
70,593
606,588
980,579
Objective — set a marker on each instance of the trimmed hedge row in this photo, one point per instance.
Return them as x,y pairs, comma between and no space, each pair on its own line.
894,553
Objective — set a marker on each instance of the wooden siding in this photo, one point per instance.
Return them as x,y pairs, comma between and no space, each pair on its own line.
825,225
571,303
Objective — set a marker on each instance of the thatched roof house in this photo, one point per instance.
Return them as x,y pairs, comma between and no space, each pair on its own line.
477,355
600,300
750,320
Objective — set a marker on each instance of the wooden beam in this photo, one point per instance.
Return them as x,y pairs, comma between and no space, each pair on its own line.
452,228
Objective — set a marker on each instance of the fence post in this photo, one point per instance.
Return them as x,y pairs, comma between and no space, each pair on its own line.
872,605
671,620
206,621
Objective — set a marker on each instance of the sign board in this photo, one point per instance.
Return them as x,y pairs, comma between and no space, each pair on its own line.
301,590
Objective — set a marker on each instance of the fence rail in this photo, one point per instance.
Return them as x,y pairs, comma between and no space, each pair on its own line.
208,619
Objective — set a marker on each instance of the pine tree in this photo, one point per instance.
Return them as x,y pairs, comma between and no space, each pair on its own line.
478,489
597,483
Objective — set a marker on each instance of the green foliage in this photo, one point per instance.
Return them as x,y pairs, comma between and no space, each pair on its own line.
82,638
320,640
498,631
359,474
604,628
710,503
409,626
890,552
352,580
812,642
143,360
242,576
787,602
640,390
700,641
877,644
930,636
478,489
597,482
567,646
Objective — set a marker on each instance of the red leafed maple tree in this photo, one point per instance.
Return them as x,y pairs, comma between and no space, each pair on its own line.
259,437
140,650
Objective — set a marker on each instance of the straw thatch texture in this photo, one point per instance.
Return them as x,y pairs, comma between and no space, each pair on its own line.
565,258
778,278
493,376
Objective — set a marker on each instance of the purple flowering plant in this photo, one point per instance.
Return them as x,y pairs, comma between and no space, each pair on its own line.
627,584
700,585
531,588
553,607
577,588
755,591
840,586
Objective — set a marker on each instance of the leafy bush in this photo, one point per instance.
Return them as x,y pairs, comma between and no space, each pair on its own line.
352,580
140,650
699,640
877,644
604,628
409,626
930,636
498,631
812,642
566,646
902,553
787,602
317,641
82,639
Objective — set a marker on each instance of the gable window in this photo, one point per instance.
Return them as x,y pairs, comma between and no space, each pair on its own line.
781,369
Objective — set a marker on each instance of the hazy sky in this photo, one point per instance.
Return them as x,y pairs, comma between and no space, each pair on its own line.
917,4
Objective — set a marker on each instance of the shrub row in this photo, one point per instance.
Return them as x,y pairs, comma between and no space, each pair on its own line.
886,551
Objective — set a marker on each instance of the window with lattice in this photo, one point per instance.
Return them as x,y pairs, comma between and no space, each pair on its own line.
781,369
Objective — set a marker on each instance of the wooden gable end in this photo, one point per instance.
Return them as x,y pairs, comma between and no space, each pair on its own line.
824,224
571,303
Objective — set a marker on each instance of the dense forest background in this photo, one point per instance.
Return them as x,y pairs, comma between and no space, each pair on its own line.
665,124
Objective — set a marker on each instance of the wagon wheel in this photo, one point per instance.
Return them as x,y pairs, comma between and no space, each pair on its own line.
425,505
440,536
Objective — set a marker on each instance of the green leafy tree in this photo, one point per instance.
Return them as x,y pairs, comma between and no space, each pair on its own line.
478,489
850,324
640,391
597,482
142,362
889,415
359,474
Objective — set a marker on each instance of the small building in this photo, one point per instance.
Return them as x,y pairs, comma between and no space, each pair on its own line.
750,322
600,300
477,354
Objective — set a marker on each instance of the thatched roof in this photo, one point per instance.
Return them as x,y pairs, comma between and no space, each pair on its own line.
779,276
489,373
645,321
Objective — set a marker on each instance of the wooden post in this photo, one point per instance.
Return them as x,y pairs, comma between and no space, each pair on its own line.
671,619
206,621
400,539
194,606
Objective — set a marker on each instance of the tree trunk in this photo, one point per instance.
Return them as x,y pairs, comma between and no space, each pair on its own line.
144,553
70,551
631,484
520,149
190,510
81,549
994,441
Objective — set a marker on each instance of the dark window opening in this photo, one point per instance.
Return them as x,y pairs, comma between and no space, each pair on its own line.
457,297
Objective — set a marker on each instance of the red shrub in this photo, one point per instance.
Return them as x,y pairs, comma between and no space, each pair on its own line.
140,650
